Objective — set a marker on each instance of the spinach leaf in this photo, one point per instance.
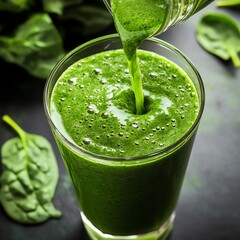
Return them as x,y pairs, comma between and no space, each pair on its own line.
57,6
29,178
227,3
36,45
91,18
15,6
219,34
40,45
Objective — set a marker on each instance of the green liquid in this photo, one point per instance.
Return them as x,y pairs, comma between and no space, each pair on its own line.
102,105
135,21
93,106
96,104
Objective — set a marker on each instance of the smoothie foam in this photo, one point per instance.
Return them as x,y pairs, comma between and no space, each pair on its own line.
97,107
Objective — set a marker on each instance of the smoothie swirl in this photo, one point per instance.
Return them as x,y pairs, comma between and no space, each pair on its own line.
97,106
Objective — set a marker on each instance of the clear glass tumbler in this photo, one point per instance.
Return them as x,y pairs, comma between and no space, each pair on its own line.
126,198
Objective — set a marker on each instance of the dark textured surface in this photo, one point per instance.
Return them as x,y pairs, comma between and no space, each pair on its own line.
209,205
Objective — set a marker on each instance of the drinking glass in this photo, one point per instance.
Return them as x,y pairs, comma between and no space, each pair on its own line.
123,198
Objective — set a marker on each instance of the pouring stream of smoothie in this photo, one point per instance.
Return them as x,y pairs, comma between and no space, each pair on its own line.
135,21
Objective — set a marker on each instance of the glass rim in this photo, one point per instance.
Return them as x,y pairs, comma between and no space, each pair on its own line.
81,150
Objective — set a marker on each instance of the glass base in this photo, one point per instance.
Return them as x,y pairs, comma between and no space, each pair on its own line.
159,234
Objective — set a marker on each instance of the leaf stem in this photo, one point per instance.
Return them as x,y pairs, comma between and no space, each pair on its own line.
229,3
17,128
20,132
233,54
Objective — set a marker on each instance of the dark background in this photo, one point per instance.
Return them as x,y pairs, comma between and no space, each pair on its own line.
209,204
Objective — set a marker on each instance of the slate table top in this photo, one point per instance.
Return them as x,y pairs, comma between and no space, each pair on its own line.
209,204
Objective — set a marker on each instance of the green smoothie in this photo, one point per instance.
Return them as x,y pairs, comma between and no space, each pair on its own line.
93,106
96,105
125,122
135,21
